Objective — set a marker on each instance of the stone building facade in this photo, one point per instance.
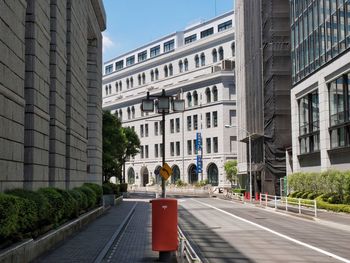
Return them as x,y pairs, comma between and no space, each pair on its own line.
50,96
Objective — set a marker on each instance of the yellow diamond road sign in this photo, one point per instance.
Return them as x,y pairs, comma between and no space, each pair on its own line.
165,171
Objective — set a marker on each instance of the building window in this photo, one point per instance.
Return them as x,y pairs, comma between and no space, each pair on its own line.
169,46
172,150
215,145
232,117
190,39
189,99
120,114
202,59
119,65
146,151
177,148
127,83
208,145
152,75
171,70
233,49
177,124
106,88
109,69
110,88
196,61
130,61
131,82
225,25
156,73
186,64
142,56
189,147
172,126
156,152
141,151
116,87
215,119
161,127
139,78
215,94
120,86
166,72
181,66
208,95
141,130
129,113
215,55
207,32
161,150
133,112
146,130
155,51
339,110
143,78
194,147
189,123
195,122
309,129
207,118
156,129
233,145
221,53
195,98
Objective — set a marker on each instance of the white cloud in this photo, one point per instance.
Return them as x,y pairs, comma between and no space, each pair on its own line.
107,42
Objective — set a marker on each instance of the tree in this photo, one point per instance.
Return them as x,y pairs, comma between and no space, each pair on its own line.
231,171
114,146
132,146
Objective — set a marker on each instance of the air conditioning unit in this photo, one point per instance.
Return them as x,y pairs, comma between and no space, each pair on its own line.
215,69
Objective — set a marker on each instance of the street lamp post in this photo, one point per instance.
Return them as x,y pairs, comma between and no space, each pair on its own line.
163,103
250,157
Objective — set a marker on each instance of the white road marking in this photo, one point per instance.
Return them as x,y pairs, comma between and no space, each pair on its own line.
277,233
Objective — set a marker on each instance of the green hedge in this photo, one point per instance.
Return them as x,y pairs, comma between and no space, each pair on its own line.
107,189
123,187
333,207
238,191
26,213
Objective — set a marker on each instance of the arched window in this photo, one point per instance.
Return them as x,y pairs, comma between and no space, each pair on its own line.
133,112
213,174
106,89
202,59
116,87
186,64
120,114
143,78
156,74
215,94
120,86
131,176
189,99
221,53
166,71
195,98
233,49
181,66
129,113
170,70
176,174
139,78
208,95
131,82
196,61
152,75
215,55
127,84
110,88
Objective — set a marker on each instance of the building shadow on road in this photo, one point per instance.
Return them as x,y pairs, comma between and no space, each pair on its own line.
209,246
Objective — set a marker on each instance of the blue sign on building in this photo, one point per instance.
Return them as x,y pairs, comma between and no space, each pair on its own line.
198,141
199,164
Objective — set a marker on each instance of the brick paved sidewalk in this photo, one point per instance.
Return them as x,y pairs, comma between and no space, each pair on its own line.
85,245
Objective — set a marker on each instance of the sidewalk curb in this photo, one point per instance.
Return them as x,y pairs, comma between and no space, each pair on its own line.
109,244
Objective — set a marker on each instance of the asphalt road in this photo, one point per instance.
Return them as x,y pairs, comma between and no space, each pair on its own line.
223,231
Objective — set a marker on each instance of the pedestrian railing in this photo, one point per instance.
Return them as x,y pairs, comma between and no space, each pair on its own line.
185,251
296,205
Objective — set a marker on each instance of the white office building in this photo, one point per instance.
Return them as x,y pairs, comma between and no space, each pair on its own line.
197,65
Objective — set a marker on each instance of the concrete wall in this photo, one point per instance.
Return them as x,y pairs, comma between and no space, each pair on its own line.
50,113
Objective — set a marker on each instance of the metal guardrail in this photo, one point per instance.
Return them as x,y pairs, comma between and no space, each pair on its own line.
185,251
301,206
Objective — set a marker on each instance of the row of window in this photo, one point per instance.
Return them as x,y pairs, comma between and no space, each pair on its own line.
320,31
339,117
167,47
199,60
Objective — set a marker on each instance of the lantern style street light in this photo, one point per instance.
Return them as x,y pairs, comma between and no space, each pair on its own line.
163,102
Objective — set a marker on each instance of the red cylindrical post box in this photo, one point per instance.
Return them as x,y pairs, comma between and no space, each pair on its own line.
164,224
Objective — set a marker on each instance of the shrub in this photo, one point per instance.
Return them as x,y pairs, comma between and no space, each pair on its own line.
97,189
27,215
299,194
333,207
312,195
91,196
201,183
9,210
115,188
334,199
41,203
293,194
71,207
123,188
107,189
305,195
239,191
80,196
346,199
180,183
57,203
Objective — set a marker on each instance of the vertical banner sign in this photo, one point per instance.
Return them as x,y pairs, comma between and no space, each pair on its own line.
199,152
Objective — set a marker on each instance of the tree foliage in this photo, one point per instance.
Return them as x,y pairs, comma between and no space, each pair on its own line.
231,171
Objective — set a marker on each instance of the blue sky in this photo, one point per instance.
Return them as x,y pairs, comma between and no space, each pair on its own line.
132,23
